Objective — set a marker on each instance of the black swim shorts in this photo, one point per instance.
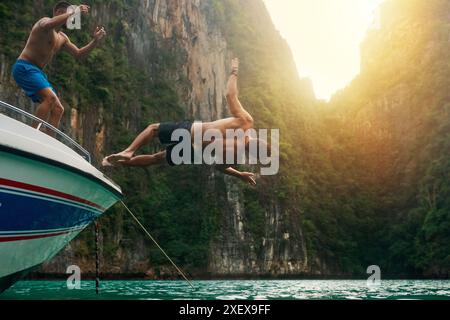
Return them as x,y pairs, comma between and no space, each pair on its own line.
166,130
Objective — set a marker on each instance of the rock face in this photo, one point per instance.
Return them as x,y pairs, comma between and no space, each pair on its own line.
150,28
206,56
363,179
206,66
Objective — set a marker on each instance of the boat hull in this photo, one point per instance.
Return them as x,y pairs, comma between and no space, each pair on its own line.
43,206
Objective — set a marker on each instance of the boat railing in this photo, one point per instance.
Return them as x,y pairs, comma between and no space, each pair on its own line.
39,124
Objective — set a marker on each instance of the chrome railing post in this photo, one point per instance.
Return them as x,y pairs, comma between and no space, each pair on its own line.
72,144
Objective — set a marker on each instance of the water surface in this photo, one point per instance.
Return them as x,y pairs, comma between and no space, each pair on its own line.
233,290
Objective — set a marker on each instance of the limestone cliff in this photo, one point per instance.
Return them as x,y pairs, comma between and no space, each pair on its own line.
363,179
184,44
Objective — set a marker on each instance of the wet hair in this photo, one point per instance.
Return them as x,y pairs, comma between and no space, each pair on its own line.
61,5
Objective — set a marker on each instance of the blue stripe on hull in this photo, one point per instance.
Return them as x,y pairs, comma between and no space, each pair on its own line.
20,212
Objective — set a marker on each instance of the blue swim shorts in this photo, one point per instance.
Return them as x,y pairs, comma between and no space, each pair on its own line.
31,79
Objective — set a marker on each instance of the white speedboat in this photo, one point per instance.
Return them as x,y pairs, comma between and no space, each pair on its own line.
49,193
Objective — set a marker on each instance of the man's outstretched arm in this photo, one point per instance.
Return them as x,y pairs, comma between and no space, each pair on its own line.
99,34
246,177
55,22
59,21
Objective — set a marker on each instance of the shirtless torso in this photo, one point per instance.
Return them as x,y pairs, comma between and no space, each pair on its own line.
42,45
44,42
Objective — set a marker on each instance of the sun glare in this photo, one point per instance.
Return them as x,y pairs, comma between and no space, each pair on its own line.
325,37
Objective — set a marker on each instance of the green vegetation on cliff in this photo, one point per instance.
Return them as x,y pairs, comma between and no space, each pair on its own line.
110,91
363,180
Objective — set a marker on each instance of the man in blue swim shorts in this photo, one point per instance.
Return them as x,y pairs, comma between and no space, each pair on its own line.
45,40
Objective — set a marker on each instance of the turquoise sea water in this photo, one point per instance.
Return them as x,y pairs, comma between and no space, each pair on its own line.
232,290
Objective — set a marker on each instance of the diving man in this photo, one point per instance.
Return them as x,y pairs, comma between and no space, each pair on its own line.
240,120
45,40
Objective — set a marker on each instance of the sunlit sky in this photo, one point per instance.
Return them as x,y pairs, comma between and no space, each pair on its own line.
324,36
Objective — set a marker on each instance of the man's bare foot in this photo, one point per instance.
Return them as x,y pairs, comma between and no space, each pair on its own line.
115,159
106,163
235,66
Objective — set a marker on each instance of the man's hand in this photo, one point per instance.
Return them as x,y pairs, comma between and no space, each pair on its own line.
249,178
84,8
99,33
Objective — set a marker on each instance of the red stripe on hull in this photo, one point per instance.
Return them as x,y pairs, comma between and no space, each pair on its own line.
21,238
29,187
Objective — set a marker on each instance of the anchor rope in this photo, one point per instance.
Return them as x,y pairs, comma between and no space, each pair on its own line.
97,260
157,244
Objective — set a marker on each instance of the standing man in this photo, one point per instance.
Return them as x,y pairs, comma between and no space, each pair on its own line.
45,40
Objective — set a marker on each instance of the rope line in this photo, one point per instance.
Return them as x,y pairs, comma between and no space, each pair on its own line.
159,247
97,260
